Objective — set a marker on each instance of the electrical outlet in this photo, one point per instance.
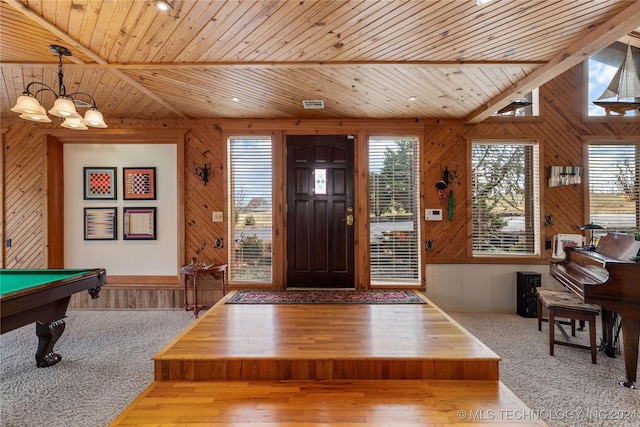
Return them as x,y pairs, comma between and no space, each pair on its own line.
217,217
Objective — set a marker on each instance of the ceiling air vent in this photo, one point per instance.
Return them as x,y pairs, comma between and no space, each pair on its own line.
81,104
313,104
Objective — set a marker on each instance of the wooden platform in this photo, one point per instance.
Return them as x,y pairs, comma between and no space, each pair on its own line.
344,403
325,342
332,365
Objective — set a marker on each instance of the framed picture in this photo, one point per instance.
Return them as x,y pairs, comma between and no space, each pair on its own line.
100,183
139,183
100,223
139,223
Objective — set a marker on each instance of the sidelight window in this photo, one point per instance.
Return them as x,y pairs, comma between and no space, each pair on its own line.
394,234
250,209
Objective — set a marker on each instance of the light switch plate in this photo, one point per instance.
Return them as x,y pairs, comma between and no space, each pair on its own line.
217,217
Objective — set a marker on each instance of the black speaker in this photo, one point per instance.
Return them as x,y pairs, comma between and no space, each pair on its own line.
528,281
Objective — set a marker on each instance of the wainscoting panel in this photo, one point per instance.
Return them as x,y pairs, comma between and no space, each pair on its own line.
479,287
121,297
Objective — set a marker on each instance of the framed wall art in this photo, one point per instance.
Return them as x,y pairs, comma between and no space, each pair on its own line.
100,183
139,183
139,223
100,223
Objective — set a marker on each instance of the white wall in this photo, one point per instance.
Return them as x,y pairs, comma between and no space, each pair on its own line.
122,257
479,287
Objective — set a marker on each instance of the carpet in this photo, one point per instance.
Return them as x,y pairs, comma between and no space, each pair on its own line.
325,297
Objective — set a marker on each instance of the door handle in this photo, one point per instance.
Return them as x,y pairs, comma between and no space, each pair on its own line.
349,217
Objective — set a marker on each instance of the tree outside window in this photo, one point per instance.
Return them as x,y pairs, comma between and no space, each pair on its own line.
505,198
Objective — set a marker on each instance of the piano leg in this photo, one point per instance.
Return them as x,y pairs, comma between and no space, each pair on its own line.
630,338
607,333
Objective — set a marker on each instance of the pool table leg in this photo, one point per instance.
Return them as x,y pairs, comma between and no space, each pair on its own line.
48,334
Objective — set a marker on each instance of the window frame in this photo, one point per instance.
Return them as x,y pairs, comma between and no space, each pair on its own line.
417,220
535,222
589,218
586,103
231,208
534,94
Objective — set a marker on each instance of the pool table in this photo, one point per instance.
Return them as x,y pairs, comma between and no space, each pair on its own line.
42,296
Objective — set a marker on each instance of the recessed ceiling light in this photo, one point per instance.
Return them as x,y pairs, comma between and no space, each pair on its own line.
483,2
235,99
162,6
412,98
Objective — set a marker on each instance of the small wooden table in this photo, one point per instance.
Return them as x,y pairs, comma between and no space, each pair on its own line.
194,270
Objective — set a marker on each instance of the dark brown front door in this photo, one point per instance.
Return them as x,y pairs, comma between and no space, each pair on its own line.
320,211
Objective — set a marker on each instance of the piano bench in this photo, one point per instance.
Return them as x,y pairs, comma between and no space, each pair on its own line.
564,304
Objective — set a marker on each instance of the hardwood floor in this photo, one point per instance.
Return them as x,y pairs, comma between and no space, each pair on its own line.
297,364
327,403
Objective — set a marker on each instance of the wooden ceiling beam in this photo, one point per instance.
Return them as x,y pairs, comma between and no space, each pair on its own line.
74,44
619,26
288,65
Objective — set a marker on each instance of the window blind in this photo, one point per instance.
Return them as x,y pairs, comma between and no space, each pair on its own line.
614,187
505,198
394,210
250,208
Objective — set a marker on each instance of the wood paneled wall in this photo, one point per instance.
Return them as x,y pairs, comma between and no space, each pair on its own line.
205,144
564,133
561,127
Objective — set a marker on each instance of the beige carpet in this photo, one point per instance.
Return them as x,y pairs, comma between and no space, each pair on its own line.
565,389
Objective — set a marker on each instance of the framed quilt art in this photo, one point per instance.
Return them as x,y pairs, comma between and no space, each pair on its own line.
100,223
139,223
139,183
100,183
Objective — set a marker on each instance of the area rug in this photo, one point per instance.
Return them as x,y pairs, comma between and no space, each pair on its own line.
325,297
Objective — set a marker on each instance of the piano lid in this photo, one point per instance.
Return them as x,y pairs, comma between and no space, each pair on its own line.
621,246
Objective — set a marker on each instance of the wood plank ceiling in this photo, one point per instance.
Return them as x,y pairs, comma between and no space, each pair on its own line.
364,58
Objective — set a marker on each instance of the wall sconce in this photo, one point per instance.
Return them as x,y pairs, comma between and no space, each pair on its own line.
446,176
203,172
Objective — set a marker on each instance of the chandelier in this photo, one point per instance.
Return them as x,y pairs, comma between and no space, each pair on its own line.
64,105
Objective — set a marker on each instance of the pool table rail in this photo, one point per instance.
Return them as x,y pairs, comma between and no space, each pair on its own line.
46,305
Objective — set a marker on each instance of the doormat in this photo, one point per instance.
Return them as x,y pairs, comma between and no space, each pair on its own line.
325,297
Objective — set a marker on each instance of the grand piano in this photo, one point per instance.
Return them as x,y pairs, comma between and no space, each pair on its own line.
608,276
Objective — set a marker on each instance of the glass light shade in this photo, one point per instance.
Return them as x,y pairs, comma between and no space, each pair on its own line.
37,117
94,118
74,123
63,107
27,104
